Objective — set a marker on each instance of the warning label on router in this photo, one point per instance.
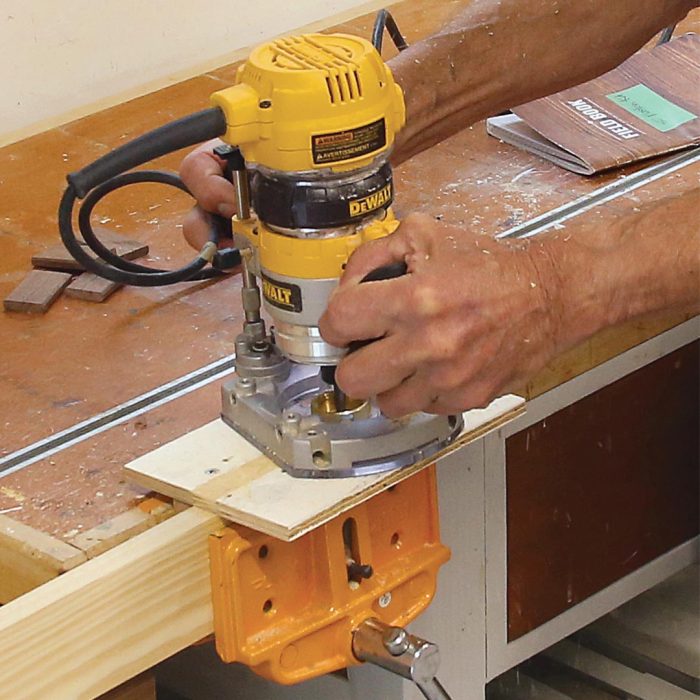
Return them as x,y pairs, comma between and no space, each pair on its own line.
351,143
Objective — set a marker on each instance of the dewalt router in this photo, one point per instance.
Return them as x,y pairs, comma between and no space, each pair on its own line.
307,129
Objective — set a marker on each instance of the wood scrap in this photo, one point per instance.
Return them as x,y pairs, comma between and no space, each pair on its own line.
91,287
37,291
50,276
58,258
130,250
127,248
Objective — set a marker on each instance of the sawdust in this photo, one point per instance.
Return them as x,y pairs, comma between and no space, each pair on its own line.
13,494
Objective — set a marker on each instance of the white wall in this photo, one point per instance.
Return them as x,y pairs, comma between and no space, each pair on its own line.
60,59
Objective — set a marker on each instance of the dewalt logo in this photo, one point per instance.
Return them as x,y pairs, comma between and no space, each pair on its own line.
371,202
282,295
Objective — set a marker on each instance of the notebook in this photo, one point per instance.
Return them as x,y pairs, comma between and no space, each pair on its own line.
648,106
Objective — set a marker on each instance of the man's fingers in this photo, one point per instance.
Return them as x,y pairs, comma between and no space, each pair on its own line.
202,172
363,311
482,386
372,255
417,393
478,394
376,368
425,391
402,245
196,228
412,395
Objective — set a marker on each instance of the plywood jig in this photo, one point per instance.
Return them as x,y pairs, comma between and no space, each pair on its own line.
217,469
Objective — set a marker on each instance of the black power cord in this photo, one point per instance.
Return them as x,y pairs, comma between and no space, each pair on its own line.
109,173
384,20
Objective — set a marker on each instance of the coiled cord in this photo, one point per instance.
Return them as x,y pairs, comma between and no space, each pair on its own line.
107,174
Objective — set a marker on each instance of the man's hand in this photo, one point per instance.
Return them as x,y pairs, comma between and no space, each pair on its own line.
202,172
471,320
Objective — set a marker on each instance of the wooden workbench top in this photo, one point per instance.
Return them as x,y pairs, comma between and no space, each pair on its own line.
81,358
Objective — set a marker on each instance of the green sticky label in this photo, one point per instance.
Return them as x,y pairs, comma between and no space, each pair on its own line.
651,108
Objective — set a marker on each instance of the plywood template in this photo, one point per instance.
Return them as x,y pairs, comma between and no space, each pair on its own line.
217,469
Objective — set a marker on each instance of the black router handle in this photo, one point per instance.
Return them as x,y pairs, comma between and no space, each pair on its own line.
379,274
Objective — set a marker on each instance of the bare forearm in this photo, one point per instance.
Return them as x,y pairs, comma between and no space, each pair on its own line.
475,318
497,54
643,264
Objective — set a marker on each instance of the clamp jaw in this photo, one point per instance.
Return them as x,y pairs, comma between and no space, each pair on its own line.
338,595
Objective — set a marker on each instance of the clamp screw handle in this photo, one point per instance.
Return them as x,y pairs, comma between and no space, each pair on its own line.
396,640
394,649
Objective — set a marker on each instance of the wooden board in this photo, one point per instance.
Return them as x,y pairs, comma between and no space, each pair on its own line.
58,258
112,532
91,287
216,468
113,617
36,292
29,558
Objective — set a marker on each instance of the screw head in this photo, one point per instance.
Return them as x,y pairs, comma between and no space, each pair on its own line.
385,600
245,386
